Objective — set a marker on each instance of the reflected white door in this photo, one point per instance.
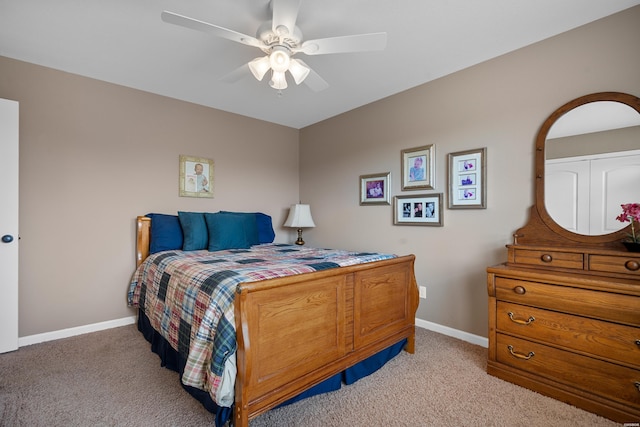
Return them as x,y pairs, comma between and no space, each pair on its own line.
566,194
614,181
8,225
584,196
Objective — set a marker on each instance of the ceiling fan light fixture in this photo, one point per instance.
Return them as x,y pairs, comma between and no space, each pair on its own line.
298,70
279,39
259,67
278,80
279,59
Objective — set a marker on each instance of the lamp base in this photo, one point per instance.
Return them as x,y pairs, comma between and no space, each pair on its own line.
299,241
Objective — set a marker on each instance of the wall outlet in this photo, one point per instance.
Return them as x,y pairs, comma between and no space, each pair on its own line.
423,292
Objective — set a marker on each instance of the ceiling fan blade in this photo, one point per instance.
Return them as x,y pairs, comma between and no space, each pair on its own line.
285,14
195,24
238,74
345,44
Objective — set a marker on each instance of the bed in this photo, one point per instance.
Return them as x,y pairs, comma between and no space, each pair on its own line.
297,331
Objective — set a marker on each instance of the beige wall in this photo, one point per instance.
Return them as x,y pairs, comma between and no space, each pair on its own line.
499,104
586,144
93,156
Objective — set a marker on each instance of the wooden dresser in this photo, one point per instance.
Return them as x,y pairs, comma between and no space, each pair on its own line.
567,333
564,310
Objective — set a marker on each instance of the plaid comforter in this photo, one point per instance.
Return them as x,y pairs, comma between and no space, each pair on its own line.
188,298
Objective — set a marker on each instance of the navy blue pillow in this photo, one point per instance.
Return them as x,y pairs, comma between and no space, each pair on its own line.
194,230
229,230
166,233
265,228
264,224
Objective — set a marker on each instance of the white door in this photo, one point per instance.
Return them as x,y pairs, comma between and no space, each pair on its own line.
614,181
566,194
8,225
584,194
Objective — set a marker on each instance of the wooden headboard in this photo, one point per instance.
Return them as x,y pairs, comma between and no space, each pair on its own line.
143,232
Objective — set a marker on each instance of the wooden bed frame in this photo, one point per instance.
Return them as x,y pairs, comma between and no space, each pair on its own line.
297,331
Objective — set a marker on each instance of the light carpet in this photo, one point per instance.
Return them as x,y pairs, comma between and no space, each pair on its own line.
111,378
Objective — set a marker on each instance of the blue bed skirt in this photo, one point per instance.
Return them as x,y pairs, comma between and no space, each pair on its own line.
171,359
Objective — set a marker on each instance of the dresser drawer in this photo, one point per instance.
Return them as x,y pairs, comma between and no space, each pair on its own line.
557,259
615,264
602,305
603,339
610,380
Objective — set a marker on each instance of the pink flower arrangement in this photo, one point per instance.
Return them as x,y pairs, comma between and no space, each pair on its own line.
631,213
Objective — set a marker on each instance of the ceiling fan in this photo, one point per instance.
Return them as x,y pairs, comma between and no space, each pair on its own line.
280,39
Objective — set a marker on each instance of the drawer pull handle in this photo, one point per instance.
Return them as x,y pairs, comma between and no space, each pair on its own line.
520,355
520,321
546,258
632,265
638,343
519,290
637,384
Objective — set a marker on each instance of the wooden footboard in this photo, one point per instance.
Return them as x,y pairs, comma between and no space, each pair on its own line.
295,332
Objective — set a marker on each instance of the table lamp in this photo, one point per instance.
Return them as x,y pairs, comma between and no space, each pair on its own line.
299,217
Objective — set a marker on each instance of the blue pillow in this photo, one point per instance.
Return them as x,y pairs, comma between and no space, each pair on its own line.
265,228
166,233
194,230
264,224
228,230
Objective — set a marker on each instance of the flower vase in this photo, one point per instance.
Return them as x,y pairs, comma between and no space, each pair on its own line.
632,246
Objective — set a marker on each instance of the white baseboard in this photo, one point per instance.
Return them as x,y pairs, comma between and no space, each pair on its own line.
71,332
95,327
455,333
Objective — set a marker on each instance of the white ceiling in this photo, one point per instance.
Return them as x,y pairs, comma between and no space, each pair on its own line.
125,42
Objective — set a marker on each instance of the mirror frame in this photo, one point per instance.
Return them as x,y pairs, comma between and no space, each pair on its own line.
612,239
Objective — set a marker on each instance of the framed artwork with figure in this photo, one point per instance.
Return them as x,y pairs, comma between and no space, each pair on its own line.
422,209
196,177
374,189
467,178
418,168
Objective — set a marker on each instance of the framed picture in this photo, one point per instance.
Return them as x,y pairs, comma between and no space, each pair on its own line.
375,189
418,170
467,178
423,209
196,177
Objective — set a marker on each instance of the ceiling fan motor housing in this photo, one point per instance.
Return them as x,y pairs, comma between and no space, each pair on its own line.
287,39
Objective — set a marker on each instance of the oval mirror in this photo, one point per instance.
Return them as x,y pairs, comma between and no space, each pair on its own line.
588,164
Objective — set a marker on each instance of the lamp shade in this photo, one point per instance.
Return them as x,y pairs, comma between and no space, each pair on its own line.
299,217
279,59
278,80
298,70
259,67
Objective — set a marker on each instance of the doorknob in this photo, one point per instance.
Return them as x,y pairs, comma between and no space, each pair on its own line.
7,238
